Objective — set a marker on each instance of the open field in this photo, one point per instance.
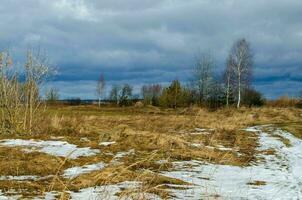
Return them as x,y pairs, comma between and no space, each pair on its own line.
150,153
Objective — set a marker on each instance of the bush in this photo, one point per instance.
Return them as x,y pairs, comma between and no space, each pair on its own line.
19,100
251,97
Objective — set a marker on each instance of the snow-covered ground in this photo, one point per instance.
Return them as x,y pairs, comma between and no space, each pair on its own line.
108,192
106,143
56,148
280,175
76,171
18,178
277,176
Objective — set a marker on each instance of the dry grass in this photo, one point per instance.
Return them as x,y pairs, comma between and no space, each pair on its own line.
154,135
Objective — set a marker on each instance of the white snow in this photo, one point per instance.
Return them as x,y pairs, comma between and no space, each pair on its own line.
56,148
18,178
123,153
9,197
106,143
223,148
109,192
200,129
76,171
197,145
282,174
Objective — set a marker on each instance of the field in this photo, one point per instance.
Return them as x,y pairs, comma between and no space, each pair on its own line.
153,153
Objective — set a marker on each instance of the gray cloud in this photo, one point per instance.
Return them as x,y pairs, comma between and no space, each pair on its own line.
155,41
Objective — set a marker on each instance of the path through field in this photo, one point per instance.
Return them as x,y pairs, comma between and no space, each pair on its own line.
277,176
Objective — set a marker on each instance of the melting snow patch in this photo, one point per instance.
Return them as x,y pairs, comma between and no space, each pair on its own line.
76,171
201,131
281,174
56,148
223,148
11,197
57,137
120,155
110,192
106,143
124,153
18,178
197,145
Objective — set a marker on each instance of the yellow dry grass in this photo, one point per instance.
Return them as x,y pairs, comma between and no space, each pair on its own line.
154,135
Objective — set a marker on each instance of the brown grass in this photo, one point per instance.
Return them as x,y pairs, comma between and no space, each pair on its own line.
154,134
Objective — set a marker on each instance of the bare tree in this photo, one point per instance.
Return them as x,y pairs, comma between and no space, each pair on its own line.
203,75
100,88
37,70
20,100
115,93
151,93
52,95
228,80
241,62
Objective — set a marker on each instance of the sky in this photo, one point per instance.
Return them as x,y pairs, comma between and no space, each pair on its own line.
154,41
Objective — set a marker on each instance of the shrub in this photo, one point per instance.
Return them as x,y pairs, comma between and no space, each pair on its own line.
251,97
19,100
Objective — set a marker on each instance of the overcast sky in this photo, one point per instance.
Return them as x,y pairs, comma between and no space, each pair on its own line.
154,41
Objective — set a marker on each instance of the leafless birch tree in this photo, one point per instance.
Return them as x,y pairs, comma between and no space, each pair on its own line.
241,62
203,75
228,80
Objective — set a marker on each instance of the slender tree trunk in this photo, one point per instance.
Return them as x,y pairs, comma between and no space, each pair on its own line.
175,98
239,91
228,92
99,102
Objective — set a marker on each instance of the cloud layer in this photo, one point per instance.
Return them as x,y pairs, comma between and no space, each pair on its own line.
149,41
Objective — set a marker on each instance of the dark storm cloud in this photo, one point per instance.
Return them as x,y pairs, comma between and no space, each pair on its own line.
145,41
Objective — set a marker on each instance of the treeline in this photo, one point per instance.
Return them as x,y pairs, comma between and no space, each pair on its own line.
232,88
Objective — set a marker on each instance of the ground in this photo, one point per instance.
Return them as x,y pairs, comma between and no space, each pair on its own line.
151,153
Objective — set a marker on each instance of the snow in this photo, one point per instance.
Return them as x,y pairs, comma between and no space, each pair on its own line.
106,143
200,129
223,148
197,145
76,171
123,154
18,178
281,173
109,192
11,197
56,148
